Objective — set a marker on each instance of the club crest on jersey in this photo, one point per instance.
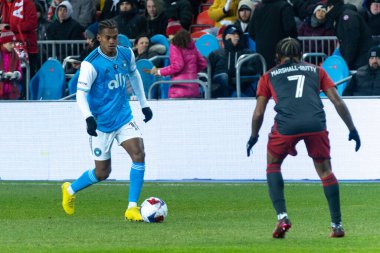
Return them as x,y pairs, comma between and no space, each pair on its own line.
119,81
97,152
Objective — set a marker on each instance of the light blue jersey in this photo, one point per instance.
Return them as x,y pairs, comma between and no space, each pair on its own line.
105,79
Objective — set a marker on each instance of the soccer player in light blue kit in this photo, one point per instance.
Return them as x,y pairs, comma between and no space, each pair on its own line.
103,101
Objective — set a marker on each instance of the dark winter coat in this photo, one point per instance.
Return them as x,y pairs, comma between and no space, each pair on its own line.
110,10
69,29
130,23
373,22
157,25
179,10
353,34
272,21
366,82
223,60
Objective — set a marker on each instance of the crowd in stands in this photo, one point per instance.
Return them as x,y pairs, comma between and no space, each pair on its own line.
355,23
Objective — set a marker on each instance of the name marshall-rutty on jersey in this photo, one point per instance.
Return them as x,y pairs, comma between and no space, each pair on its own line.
293,68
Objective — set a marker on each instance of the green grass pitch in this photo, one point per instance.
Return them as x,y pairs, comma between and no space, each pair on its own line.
203,217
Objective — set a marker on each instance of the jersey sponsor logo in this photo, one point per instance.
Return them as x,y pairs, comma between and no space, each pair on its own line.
119,81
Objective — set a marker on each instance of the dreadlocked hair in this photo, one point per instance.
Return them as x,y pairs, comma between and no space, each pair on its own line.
290,48
107,24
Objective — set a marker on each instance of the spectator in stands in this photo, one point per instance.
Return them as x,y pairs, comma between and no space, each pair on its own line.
24,25
156,20
316,25
51,16
244,14
224,12
185,63
372,16
143,49
110,10
65,28
179,15
366,81
302,8
352,32
223,63
83,11
10,67
42,22
91,43
272,21
130,23
44,5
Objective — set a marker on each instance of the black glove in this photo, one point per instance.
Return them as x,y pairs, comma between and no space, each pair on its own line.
354,135
251,142
91,126
147,113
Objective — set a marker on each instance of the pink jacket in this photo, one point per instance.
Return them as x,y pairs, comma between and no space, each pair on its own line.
9,62
185,63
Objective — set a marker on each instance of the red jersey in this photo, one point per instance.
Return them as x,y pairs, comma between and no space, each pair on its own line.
295,88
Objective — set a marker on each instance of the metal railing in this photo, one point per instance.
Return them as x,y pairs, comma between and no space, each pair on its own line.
241,60
59,49
318,44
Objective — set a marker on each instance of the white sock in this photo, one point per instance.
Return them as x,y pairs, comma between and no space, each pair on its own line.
281,216
132,204
70,190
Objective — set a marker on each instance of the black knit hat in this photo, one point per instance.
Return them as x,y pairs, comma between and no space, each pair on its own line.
374,52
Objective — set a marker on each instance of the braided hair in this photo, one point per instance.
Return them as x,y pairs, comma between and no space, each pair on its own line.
289,48
107,24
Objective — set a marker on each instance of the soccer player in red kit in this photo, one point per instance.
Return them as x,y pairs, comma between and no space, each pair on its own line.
295,88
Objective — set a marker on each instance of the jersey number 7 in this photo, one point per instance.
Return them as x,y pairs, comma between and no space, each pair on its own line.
300,82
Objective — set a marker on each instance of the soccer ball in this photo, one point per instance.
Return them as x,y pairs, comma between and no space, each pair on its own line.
154,210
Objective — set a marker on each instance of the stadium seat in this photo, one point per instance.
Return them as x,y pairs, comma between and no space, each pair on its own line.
336,67
337,52
142,66
206,44
72,84
203,22
161,39
251,42
124,41
49,82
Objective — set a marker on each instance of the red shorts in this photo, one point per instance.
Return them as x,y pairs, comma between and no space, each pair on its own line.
317,144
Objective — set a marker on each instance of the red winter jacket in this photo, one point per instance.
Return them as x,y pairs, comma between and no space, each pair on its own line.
185,63
22,13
